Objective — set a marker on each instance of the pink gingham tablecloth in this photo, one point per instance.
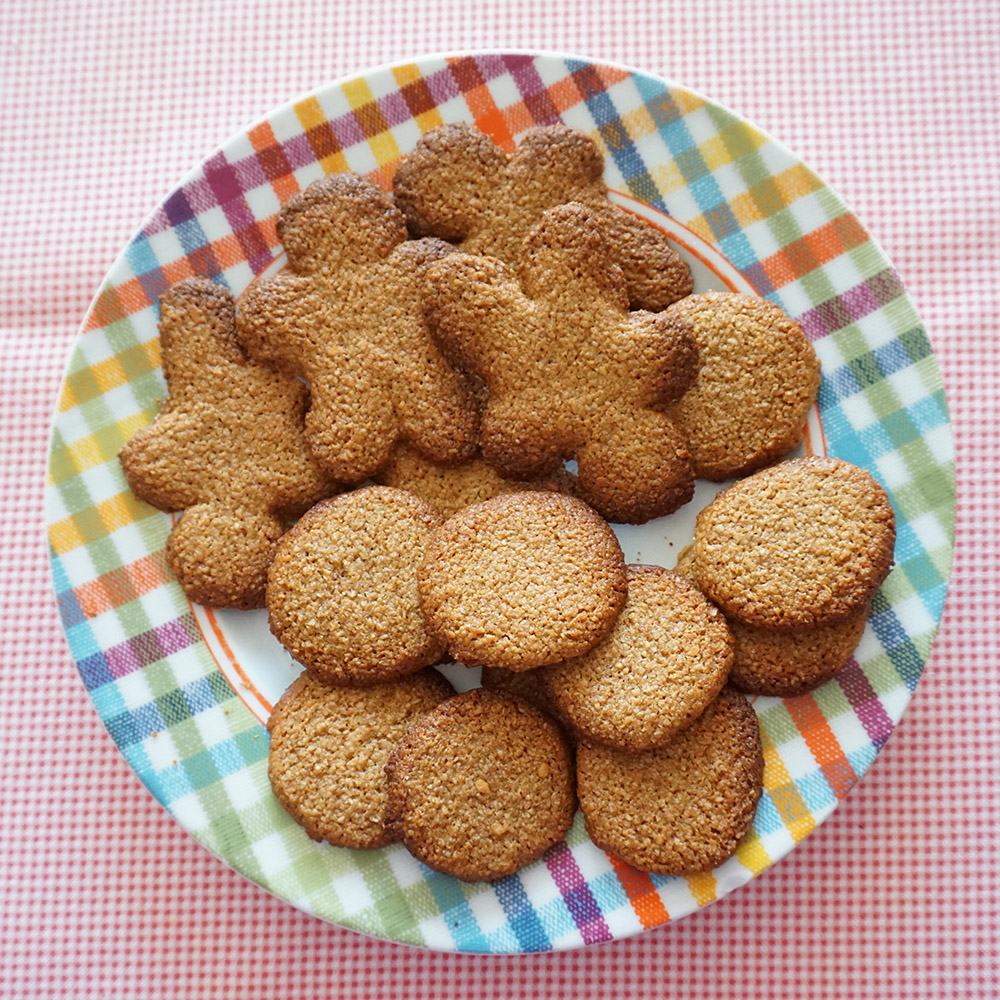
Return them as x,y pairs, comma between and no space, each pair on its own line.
106,105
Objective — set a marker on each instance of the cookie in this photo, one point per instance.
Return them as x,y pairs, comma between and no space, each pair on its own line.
522,580
758,377
347,316
570,373
329,748
449,488
480,786
459,185
664,662
226,448
526,684
784,662
805,542
787,662
682,808
342,589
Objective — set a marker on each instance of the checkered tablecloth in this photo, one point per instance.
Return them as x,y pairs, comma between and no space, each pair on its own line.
106,105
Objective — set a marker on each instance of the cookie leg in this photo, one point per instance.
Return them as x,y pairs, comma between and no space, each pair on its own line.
635,468
520,440
350,427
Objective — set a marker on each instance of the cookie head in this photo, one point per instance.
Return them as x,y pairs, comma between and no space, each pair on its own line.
342,588
227,448
339,221
480,786
805,542
347,316
458,185
570,372
521,581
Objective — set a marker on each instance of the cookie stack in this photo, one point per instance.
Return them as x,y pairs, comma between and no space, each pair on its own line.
405,395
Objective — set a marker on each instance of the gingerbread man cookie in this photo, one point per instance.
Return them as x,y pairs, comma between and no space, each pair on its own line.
570,371
227,448
347,317
459,185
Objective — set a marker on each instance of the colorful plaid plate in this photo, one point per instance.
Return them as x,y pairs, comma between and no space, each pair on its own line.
183,691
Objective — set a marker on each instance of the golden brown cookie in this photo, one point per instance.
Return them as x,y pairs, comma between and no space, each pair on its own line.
664,662
522,580
682,808
569,371
459,185
685,562
757,379
526,684
329,748
480,786
785,662
342,589
805,542
227,448
347,316
449,488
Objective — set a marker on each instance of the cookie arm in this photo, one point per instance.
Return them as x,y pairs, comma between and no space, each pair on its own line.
655,276
663,350
470,301
273,319
155,461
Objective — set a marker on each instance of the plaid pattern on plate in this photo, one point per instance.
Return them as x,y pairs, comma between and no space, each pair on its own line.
150,660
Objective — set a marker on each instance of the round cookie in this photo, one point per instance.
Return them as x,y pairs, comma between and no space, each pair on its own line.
805,542
664,662
480,786
329,748
757,378
342,587
449,488
786,662
526,684
522,581
682,808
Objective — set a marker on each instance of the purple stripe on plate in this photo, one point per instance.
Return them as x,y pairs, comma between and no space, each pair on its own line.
576,894
865,703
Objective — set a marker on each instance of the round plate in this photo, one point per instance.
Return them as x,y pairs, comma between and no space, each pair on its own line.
183,690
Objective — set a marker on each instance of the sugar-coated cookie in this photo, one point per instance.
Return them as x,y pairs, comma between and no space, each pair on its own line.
785,662
522,580
682,808
757,378
342,589
805,542
480,786
659,668
459,185
570,373
526,684
347,316
329,748
226,448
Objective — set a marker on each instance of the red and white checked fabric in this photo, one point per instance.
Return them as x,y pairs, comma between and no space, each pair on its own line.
106,104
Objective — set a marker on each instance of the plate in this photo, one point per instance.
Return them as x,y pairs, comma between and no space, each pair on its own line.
183,690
